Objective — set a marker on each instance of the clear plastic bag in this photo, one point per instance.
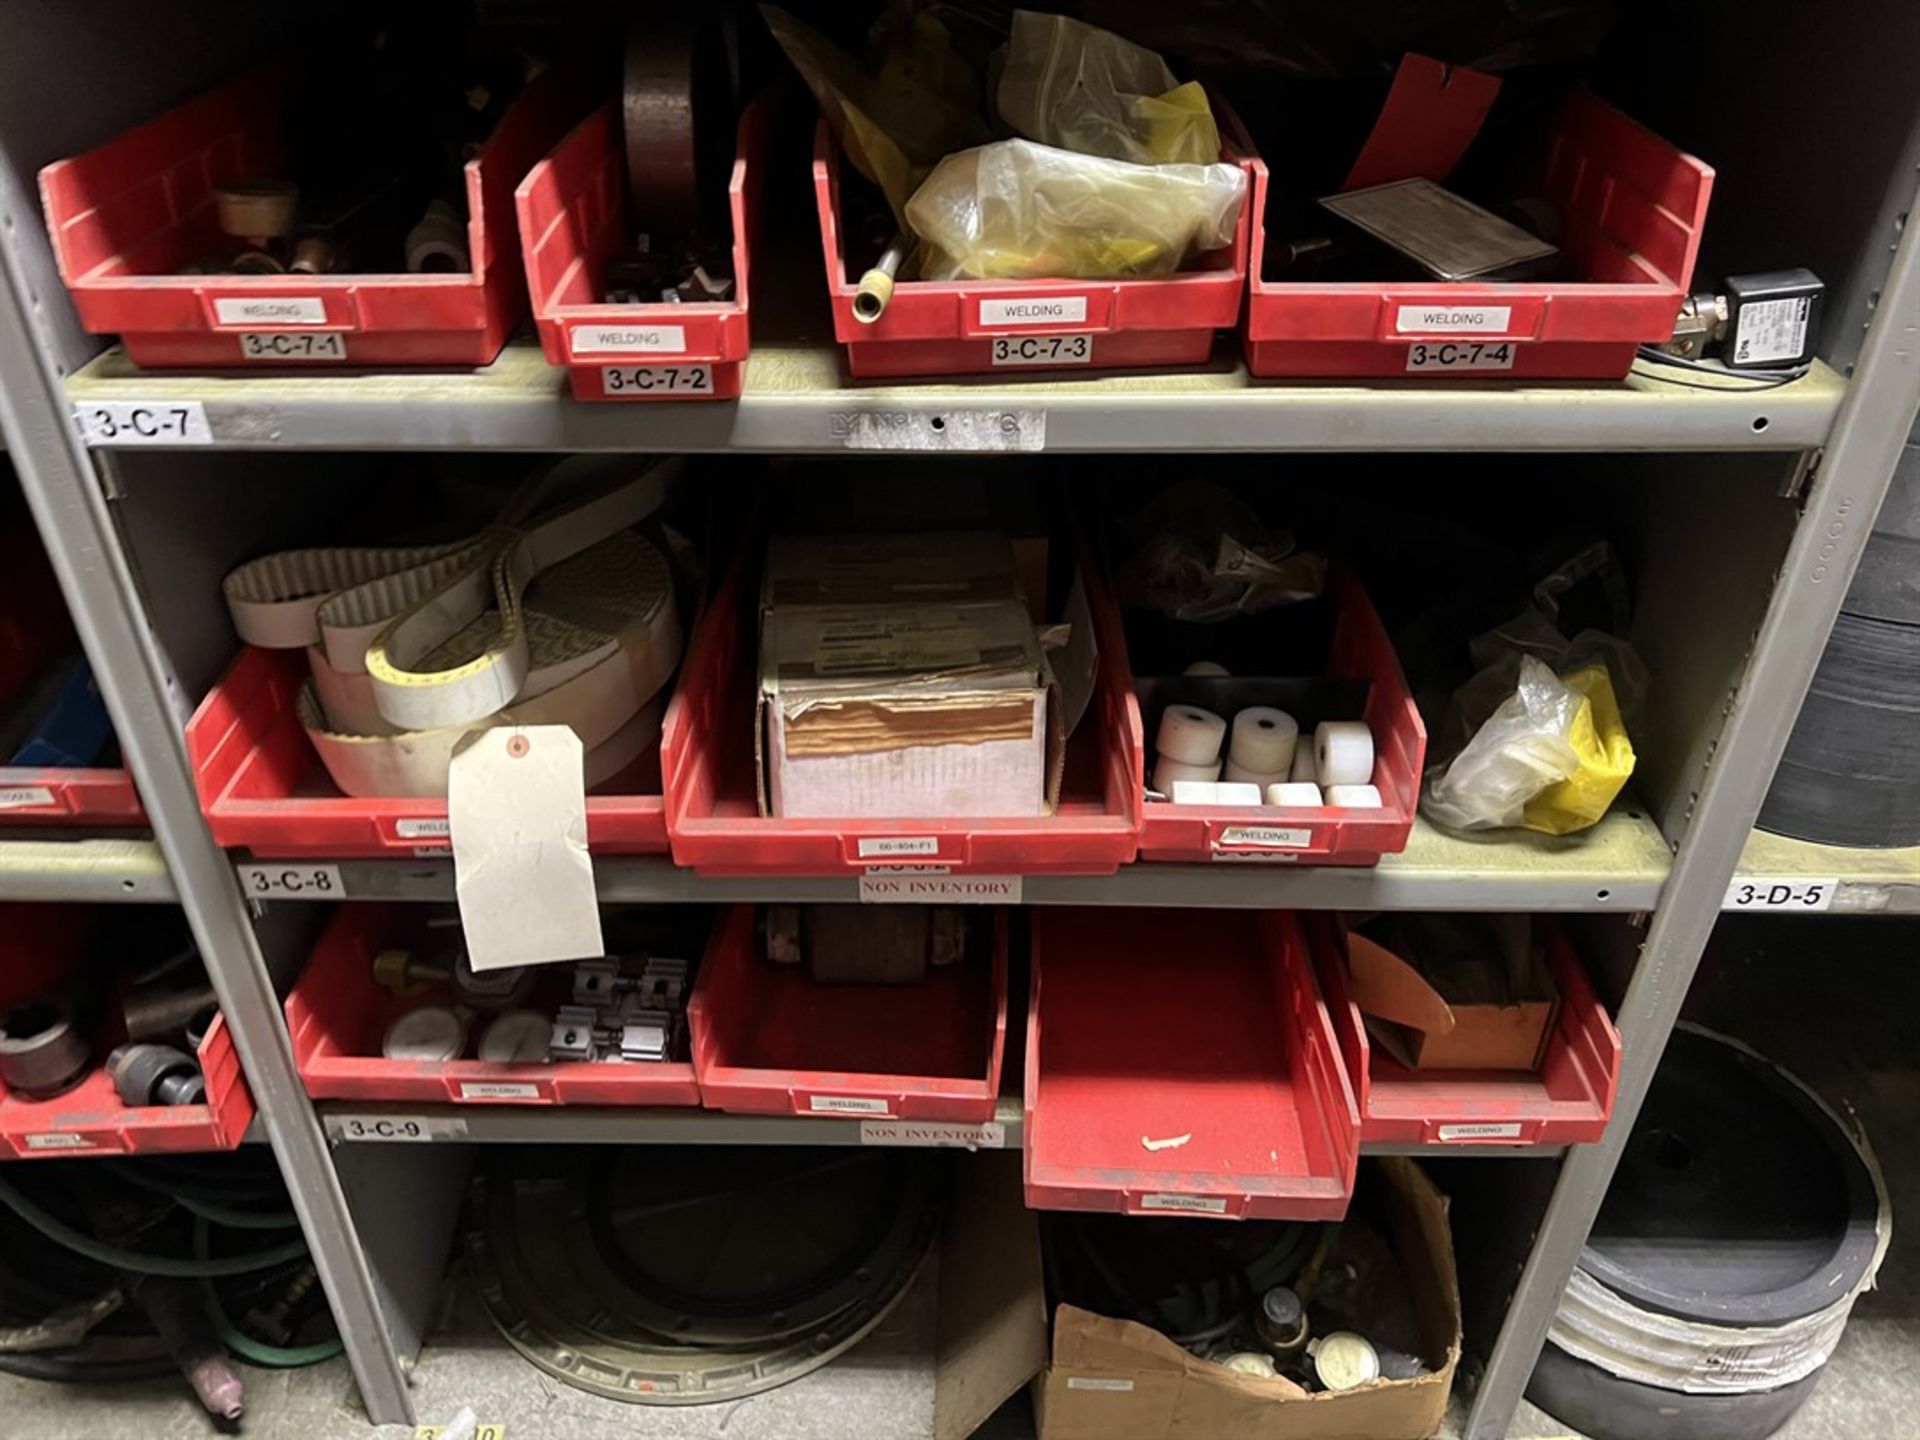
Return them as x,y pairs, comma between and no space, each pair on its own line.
1077,87
1201,556
1017,210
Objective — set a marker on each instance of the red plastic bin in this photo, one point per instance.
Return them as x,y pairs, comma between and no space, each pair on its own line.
572,209
127,214
337,1015
1181,1062
1322,835
1632,209
262,786
1567,1102
713,813
957,327
767,1040
41,947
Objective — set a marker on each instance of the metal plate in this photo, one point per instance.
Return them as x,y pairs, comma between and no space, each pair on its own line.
681,1277
677,109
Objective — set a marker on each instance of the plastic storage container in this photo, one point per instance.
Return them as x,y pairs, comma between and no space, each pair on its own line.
1324,835
714,819
1631,208
769,1040
572,209
40,946
32,640
338,1014
126,215
1181,1062
1567,1101
1025,327
263,787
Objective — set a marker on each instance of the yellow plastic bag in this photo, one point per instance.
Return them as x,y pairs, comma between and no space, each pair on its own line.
1598,736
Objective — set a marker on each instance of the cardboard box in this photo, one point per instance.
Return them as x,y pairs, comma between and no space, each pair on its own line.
904,710
965,567
1120,1380
1413,1018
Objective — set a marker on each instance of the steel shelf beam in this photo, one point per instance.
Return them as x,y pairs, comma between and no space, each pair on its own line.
1847,489
89,871
798,399
1619,865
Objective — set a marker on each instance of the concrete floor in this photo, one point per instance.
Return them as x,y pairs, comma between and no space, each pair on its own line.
1837,1001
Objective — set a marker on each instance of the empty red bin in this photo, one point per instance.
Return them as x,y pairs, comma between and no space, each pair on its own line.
338,1015
768,1039
128,214
1631,207
40,947
263,787
1180,1062
573,216
1024,327
1568,1100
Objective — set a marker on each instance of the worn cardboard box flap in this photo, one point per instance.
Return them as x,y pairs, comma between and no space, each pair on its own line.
951,568
1414,1019
1118,1380
993,1308
1388,987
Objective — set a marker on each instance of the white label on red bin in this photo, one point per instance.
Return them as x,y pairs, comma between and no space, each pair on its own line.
919,888
291,882
934,1134
1043,350
1192,1204
1757,892
394,1129
1460,355
847,1105
55,1140
1452,319
1267,837
637,380
1479,1132
628,339
1035,310
143,422
497,1090
888,846
270,310
423,829
293,345
21,797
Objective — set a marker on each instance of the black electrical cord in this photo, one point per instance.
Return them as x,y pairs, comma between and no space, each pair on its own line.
1749,380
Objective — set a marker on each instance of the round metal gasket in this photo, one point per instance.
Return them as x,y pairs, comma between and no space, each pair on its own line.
602,1268
677,112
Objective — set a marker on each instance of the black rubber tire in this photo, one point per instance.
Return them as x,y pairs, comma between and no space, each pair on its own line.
1604,1407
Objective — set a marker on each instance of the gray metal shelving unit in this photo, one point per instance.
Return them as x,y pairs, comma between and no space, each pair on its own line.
1750,539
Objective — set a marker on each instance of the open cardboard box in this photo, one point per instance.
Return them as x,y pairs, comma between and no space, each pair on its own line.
1409,1017
992,1335
1120,1380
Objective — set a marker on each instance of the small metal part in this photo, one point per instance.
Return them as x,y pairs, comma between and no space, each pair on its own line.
42,1051
153,1011
1701,323
145,1074
430,1033
516,1037
489,990
677,111
271,1320
314,255
399,972
1344,1360
875,290
594,981
644,1039
1281,1323
437,245
256,262
1448,237
701,288
572,1035
257,211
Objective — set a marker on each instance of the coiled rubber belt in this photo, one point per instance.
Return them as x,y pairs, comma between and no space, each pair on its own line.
558,615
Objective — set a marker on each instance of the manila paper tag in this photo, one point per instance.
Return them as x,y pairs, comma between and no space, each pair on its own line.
517,807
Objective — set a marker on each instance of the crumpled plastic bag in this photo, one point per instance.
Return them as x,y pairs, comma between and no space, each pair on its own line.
1017,210
1552,754
1201,556
1077,87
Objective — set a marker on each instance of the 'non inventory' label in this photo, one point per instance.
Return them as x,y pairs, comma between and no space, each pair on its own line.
270,310
1452,319
1478,1132
934,1134
628,339
24,797
1193,1204
884,846
1035,310
847,1105
896,889
1267,837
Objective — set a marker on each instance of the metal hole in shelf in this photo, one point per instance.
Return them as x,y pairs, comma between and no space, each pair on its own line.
1633,814
1603,894
938,422
1760,422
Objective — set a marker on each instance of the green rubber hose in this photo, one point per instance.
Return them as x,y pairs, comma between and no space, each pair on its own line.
254,1352
135,1262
